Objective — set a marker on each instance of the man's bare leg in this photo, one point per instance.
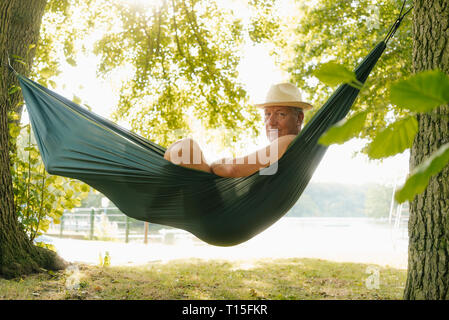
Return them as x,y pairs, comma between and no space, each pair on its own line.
187,153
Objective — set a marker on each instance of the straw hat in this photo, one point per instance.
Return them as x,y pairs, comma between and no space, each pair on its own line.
285,95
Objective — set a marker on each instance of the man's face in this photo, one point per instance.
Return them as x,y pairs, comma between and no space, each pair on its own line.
284,120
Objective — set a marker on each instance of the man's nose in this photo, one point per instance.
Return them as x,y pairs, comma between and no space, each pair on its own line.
272,120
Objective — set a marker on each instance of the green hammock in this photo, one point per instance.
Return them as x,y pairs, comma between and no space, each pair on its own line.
133,174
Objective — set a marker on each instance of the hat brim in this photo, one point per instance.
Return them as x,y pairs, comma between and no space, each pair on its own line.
296,104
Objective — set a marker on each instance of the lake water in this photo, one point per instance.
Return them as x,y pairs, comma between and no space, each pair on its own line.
359,240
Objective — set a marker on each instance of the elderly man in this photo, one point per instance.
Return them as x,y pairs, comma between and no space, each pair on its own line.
284,116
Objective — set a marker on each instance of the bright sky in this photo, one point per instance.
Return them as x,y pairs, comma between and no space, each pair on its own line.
257,72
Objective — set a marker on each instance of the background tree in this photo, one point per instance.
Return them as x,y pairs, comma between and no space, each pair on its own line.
377,201
19,28
40,198
428,274
424,97
182,56
330,200
344,32
425,130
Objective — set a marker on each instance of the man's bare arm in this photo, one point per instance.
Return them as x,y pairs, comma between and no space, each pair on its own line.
247,165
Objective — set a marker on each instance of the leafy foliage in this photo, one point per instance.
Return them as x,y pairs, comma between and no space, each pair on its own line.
419,178
40,198
419,93
422,92
333,74
394,139
343,32
176,59
181,57
264,25
345,130
60,29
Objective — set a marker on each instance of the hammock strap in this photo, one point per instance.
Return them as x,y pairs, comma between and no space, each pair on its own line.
9,65
397,23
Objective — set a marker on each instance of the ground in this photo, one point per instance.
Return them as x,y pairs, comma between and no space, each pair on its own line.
272,279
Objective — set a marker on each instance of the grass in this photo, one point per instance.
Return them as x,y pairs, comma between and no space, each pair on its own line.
214,279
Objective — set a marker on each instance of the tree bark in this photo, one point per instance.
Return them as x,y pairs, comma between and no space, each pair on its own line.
20,22
428,262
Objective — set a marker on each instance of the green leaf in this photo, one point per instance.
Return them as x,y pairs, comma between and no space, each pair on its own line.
69,194
21,62
34,154
421,92
13,89
420,176
13,116
14,130
53,84
16,57
76,187
333,74
59,180
71,61
394,139
46,72
344,130
76,99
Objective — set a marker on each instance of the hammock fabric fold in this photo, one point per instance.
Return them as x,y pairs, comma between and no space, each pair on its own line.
133,174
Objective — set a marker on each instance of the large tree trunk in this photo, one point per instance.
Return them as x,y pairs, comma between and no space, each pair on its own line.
20,22
428,262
